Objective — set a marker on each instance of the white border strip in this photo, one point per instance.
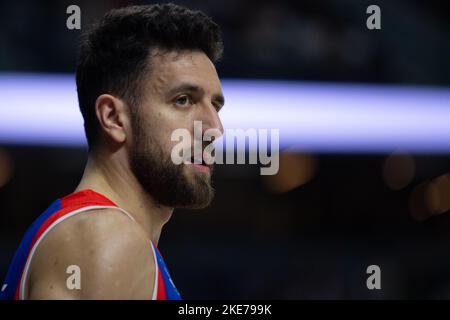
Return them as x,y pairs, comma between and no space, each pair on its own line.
155,286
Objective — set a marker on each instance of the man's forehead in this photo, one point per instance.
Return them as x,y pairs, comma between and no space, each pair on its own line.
170,68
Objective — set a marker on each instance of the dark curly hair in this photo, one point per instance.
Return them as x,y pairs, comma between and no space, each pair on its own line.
114,53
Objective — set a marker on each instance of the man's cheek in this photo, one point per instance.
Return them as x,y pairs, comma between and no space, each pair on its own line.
181,145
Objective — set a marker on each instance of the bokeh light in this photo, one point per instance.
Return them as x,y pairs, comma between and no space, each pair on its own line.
295,169
6,167
398,170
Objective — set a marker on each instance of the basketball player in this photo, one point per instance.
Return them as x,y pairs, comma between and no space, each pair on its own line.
143,72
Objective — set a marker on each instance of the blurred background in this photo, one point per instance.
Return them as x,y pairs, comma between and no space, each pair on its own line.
360,185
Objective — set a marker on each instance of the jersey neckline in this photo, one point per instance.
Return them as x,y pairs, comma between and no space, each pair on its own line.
87,196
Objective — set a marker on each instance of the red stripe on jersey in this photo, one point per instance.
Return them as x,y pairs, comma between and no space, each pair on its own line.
161,295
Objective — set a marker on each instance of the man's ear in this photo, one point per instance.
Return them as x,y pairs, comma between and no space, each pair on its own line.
113,117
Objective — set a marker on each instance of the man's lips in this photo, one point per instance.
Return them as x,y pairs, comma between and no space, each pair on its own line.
202,167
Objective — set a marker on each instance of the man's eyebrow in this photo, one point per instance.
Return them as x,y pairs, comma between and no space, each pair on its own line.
189,87
186,87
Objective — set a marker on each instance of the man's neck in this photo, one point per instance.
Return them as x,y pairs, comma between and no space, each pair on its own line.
114,180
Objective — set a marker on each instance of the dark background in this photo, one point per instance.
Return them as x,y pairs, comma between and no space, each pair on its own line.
304,236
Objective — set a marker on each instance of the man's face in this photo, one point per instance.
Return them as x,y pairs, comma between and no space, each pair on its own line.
182,87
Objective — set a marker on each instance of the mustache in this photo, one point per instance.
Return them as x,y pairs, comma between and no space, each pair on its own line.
199,154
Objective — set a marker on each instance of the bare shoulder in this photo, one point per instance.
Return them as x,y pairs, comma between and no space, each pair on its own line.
108,252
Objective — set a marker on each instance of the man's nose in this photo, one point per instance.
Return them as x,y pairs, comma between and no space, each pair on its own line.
210,119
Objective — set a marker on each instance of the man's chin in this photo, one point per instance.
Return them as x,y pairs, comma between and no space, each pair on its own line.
200,188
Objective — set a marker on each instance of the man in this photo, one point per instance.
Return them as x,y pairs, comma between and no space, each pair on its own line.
143,72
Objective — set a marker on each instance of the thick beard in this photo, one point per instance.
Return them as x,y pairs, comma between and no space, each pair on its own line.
169,184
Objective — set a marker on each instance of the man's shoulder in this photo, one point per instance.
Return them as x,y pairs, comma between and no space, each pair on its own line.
94,227
105,244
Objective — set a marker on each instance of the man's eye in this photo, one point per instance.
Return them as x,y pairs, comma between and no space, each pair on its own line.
218,107
183,101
